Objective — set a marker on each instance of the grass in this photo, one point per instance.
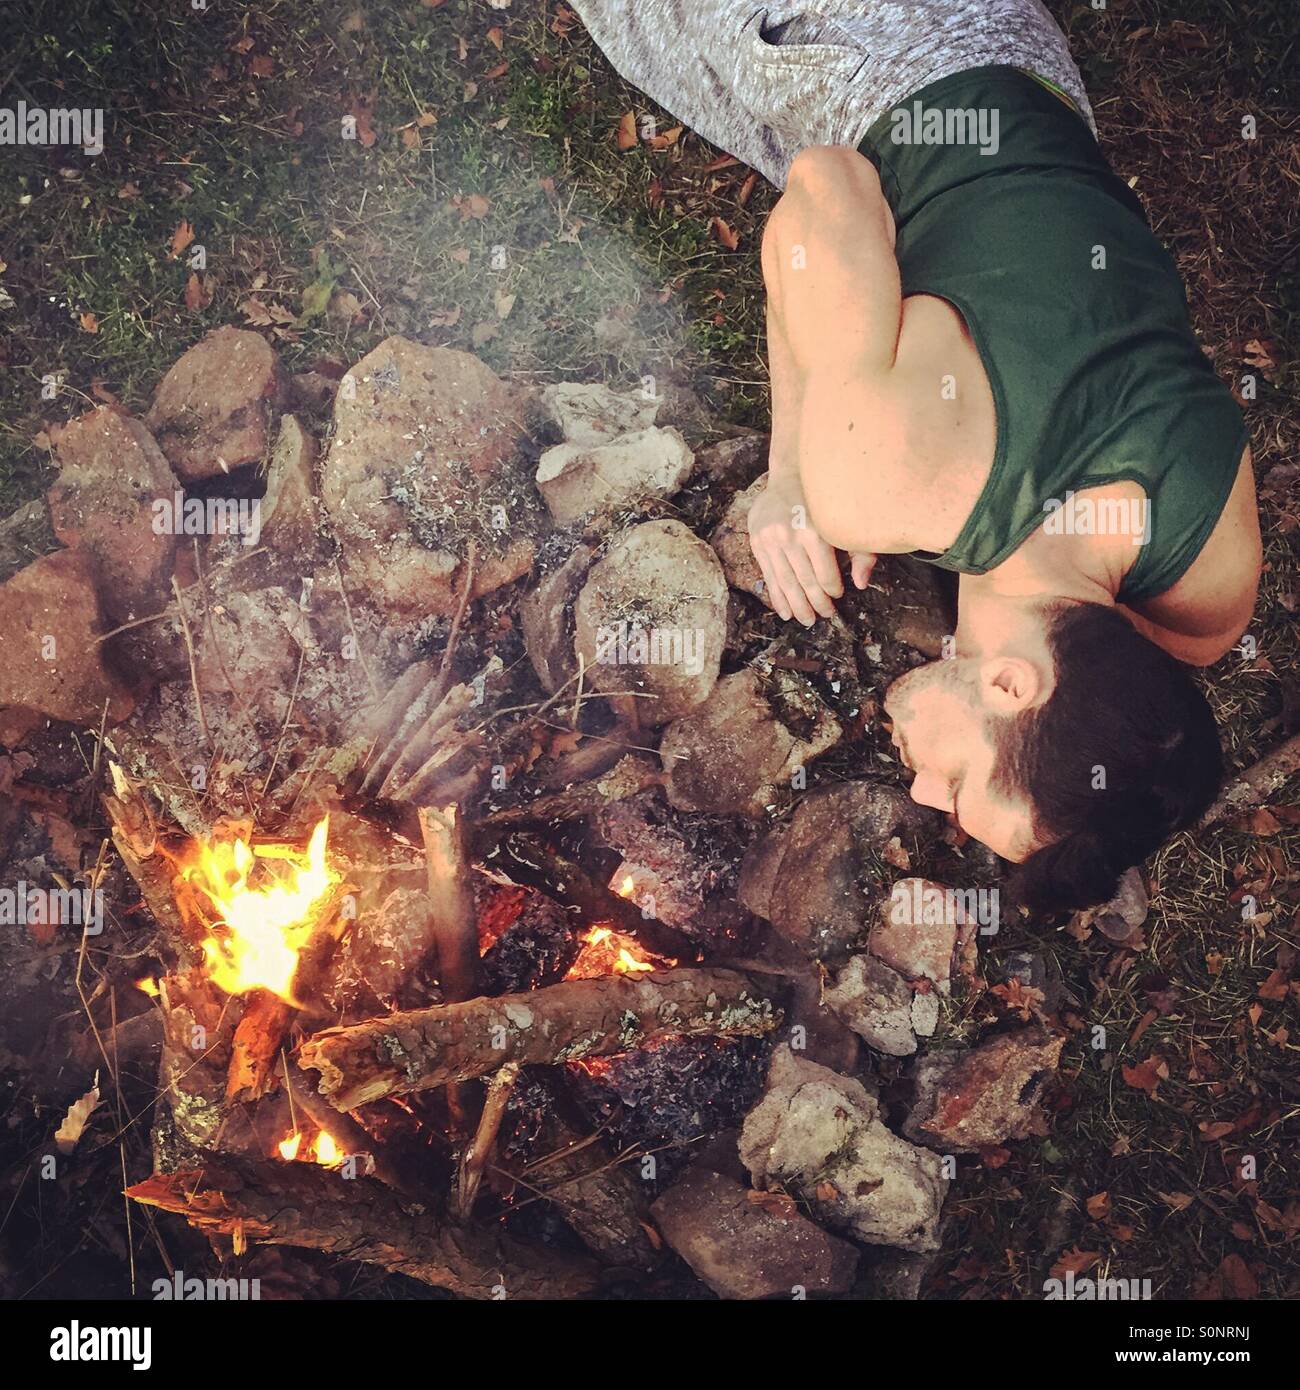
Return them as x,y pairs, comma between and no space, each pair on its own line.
609,267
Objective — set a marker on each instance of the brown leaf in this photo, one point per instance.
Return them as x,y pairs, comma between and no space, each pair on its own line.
74,1122
827,1192
1099,1206
410,137
746,189
496,36
1277,986
666,138
1176,1201
128,190
181,238
895,855
730,240
198,292
475,206
1237,1278
1074,1261
1146,1076
459,254
89,322
445,318
499,71
262,315
262,66
625,136
774,1203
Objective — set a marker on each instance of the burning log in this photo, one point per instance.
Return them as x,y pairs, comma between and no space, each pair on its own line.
562,1023
631,774
359,1219
257,1042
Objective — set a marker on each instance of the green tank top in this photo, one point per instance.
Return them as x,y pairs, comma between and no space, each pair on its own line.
1077,311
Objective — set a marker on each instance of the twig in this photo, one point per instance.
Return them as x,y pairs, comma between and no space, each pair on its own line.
475,1158
352,628
284,728
1256,784
194,670
453,636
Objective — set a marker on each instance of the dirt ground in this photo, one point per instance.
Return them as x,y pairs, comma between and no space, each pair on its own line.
1172,1151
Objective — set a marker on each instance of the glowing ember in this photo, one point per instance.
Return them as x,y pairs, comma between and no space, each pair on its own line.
324,1149
259,928
149,986
289,1147
607,952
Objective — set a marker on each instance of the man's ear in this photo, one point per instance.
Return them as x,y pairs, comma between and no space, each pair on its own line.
1009,684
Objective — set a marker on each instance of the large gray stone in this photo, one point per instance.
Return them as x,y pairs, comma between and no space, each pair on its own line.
576,480
820,1134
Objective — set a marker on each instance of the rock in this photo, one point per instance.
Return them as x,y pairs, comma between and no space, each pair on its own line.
808,877
668,878
424,459
290,512
577,479
925,1013
916,608
111,473
591,413
652,618
973,1100
897,1275
876,1003
916,929
385,949
734,463
730,539
212,412
821,1135
750,1249
49,614
546,618
249,647
736,752
26,535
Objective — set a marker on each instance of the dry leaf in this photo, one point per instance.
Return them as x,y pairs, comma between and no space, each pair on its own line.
1074,1261
499,71
1214,1129
89,322
475,206
1099,1206
827,1192
495,37
724,234
181,238
625,136
445,318
1146,1076
746,189
262,66
459,254
669,137
410,137
128,190
1176,1201
74,1121
895,855
198,293
1277,986
262,315
504,303
774,1203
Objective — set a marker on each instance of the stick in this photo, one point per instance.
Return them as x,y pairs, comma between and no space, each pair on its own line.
360,1219
451,901
421,1048
1256,784
194,670
475,1158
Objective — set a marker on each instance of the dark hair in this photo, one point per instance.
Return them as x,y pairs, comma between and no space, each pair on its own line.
1123,754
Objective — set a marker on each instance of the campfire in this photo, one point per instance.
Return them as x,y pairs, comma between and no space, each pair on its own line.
478,938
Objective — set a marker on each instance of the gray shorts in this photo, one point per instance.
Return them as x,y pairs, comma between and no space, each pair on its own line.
764,82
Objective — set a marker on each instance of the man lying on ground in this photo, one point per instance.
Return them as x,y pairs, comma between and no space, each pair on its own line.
980,353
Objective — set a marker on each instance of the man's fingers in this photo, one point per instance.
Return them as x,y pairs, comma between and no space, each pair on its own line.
824,567
794,590
816,595
861,566
774,591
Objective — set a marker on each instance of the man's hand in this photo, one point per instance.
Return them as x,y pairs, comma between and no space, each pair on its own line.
799,568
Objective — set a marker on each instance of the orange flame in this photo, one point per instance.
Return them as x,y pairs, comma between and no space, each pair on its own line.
323,1149
607,952
259,931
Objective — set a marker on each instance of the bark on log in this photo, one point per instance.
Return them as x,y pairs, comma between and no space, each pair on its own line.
415,1050
1256,784
360,1219
257,1041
